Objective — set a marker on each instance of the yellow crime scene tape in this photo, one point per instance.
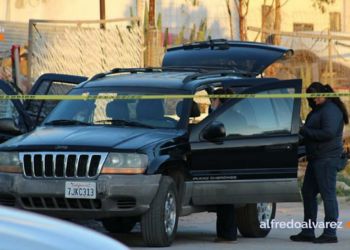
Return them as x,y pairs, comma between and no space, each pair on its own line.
93,97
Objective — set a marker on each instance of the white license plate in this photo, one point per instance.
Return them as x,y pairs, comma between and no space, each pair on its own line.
82,190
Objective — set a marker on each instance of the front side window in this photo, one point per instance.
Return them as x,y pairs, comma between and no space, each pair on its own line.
162,113
259,116
39,109
7,109
202,104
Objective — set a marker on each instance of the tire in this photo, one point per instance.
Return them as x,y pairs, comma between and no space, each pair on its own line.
159,223
119,225
250,216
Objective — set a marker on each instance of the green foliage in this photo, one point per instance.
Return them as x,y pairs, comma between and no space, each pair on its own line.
146,20
342,192
321,4
159,21
347,169
179,38
193,33
344,178
202,30
193,2
300,184
120,34
132,15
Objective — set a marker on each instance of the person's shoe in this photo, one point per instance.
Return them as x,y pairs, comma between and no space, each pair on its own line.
221,240
326,239
302,238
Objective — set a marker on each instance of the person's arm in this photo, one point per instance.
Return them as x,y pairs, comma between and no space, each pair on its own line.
330,119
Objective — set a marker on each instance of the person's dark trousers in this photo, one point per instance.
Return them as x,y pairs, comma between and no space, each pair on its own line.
320,177
226,224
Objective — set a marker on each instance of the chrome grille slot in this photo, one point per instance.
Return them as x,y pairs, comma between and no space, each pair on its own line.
27,165
71,165
82,165
59,165
62,165
7,200
125,203
94,164
38,167
60,203
49,166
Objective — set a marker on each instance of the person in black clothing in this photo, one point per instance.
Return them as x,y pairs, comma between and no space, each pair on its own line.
226,223
323,132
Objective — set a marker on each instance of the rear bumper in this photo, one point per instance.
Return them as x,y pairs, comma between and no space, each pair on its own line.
117,196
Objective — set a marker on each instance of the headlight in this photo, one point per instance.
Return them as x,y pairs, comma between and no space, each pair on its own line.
9,162
124,163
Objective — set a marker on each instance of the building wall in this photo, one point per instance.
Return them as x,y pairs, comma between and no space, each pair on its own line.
300,11
177,13
23,10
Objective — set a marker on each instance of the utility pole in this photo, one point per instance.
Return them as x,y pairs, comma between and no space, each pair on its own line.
154,49
151,15
102,13
140,5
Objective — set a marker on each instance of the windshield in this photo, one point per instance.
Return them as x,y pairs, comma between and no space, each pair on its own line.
151,113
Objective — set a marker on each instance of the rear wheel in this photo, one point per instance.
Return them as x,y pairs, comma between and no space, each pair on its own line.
119,225
252,216
159,224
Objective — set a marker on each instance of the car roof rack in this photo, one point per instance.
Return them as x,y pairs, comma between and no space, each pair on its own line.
210,73
210,43
154,69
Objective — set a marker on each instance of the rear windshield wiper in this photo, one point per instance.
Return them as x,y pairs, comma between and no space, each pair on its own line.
66,122
122,122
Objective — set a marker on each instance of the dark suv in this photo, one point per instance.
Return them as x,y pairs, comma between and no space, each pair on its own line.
152,160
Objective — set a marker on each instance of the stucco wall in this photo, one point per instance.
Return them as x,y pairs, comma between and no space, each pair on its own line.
23,10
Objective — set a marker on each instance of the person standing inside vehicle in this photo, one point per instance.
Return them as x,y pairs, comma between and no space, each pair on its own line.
323,132
226,223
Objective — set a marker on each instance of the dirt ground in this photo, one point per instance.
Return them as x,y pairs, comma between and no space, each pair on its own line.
197,231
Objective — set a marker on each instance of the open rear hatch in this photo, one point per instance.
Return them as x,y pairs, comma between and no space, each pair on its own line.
247,57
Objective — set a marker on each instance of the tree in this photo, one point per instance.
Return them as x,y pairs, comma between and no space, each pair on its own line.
242,9
275,8
321,4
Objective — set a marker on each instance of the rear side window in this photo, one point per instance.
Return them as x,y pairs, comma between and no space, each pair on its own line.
259,116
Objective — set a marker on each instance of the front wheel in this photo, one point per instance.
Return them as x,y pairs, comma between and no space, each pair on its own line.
159,224
252,217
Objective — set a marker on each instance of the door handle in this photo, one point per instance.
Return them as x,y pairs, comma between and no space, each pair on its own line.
281,147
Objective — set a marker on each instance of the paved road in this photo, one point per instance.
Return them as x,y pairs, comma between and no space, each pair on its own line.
197,231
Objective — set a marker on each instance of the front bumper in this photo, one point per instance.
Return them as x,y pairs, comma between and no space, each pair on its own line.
117,196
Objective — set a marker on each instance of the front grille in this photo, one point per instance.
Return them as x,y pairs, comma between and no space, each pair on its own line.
62,164
125,203
60,203
7,200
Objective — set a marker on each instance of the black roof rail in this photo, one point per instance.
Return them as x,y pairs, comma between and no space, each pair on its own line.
150,69
206,44
212,73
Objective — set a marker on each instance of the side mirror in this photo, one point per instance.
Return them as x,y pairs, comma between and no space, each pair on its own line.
215,130
8,125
